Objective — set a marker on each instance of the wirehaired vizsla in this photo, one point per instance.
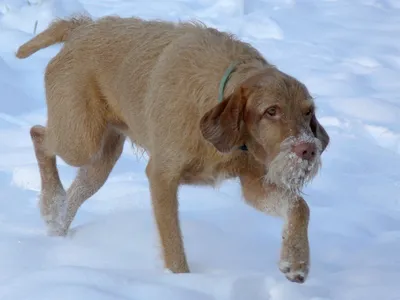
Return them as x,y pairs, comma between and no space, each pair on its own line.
203,105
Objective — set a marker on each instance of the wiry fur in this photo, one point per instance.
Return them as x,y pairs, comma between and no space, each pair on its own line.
156,83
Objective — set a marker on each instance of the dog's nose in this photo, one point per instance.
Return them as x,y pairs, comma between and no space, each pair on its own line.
305,150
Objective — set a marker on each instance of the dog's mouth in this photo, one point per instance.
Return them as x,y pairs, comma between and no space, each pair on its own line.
290,172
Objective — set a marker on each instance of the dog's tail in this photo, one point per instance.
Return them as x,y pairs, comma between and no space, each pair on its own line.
59,31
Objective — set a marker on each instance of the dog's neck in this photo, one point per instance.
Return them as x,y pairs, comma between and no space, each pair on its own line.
242,70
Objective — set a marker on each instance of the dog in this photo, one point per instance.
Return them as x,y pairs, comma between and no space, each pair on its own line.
204,105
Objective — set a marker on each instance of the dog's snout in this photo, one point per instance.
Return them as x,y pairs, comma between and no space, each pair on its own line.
305,151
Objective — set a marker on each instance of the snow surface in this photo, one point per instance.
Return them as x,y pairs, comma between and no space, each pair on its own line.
346,51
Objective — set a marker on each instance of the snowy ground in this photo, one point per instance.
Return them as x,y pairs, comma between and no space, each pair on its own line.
346,51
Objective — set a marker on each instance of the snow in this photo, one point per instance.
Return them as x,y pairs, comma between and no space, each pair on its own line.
346,52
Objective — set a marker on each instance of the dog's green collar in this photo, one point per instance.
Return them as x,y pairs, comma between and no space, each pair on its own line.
222,85
225,79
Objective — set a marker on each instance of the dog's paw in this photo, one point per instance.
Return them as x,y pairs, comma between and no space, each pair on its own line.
52,211
177,267
294,272
56,231
178,270
54,227
295,261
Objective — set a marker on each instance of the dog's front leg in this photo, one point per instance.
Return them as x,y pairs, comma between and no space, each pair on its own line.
164,190
294,261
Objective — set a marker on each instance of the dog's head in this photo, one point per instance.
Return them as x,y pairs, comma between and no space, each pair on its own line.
273,114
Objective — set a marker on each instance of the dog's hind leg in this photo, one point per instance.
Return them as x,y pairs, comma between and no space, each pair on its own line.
91,177
52,194
58,207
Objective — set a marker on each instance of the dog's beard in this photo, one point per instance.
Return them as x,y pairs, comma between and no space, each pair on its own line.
290,172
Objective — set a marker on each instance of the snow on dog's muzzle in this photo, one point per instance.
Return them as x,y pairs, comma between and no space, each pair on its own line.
296,164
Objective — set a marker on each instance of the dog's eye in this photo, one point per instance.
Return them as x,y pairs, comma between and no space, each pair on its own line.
273,111
309,112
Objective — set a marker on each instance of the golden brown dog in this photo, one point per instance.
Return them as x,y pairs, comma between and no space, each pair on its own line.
204,106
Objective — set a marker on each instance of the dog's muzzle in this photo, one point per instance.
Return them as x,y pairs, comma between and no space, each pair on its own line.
296,164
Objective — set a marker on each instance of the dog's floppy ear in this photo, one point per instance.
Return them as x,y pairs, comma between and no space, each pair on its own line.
221,125
319,132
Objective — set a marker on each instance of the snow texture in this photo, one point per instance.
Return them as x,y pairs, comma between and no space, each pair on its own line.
346,51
